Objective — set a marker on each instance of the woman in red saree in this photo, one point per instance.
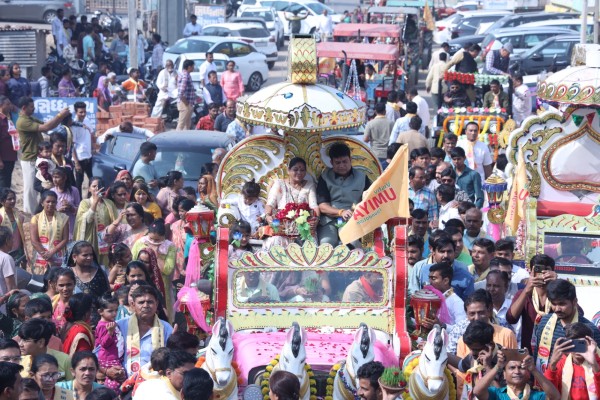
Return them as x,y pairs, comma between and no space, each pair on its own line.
77,335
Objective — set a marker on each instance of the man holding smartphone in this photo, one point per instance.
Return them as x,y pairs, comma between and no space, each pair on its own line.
563,297
574,364
532,302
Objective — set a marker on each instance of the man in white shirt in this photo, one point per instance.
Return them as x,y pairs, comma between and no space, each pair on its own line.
63,37
192,28
325,26
521,100
166,82
7,264
422,106
504,265
207,66
478,156
126,127
505,248
440,277
83,142
43,81
497,284
57,24
448,207
435,57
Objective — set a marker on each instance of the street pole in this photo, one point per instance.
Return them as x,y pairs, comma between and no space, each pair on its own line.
596,16
584,9
131,14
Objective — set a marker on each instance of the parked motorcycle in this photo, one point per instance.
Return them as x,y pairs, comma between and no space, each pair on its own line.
109,21
170,113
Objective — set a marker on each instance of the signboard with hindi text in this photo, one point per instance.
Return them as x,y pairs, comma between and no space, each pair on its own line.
46,108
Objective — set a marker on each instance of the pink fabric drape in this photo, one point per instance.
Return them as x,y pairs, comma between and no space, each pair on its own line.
192,275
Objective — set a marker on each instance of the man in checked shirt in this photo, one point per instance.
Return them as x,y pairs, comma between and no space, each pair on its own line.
187,96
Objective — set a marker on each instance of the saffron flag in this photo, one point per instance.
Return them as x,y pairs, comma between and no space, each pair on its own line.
518,195
386,198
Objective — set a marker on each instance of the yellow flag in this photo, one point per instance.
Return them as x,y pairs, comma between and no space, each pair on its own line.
386,198
518,195
428,17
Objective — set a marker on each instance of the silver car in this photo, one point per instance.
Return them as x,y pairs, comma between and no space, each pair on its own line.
33,10
271,18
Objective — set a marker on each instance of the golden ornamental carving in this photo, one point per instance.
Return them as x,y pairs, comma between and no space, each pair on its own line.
303,60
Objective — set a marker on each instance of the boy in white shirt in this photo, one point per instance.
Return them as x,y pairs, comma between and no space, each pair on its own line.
440,277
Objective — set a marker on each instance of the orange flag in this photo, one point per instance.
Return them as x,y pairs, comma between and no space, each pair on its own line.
518,194
386,198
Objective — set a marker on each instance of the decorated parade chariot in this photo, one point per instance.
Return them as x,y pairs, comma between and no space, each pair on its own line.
553,160
316,330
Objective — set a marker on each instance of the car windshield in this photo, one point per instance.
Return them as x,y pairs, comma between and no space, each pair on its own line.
318,8
190,46
277,5
254,33
189,163
266,15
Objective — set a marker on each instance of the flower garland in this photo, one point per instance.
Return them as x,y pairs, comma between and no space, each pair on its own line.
471,110
226,391
349,394
264,383
409,369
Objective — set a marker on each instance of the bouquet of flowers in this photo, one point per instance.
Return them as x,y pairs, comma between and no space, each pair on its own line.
292,211
294,220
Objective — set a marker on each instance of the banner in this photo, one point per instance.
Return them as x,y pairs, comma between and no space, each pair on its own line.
386,198
518,195
46,108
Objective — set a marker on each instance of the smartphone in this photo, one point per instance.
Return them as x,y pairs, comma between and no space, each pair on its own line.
537,270
515,354
579,346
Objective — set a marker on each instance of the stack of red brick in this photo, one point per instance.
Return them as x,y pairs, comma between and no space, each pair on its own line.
136,113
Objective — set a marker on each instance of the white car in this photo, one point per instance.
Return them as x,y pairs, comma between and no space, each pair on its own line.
271,18
445,27
248,32
313,9
251,64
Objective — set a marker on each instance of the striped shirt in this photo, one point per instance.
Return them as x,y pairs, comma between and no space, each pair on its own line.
186,88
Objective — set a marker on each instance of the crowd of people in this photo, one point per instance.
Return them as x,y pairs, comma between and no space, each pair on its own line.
458,95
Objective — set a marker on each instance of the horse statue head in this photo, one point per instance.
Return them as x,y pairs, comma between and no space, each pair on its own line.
293,354
219,354
433,360
362,350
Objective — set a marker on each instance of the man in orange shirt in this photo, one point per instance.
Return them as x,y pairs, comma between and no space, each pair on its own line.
479,307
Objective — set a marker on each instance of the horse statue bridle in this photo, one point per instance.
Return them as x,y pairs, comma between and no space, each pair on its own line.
427,378
213,372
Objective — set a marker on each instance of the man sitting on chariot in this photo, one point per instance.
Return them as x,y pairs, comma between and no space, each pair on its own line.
495,97
338,189
456,96
366,289
252,288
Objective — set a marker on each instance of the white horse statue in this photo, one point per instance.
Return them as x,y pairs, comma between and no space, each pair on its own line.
429,381
219,357
293,358
361,352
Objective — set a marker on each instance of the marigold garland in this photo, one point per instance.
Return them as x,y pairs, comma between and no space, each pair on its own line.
264,383
409,369
330,380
